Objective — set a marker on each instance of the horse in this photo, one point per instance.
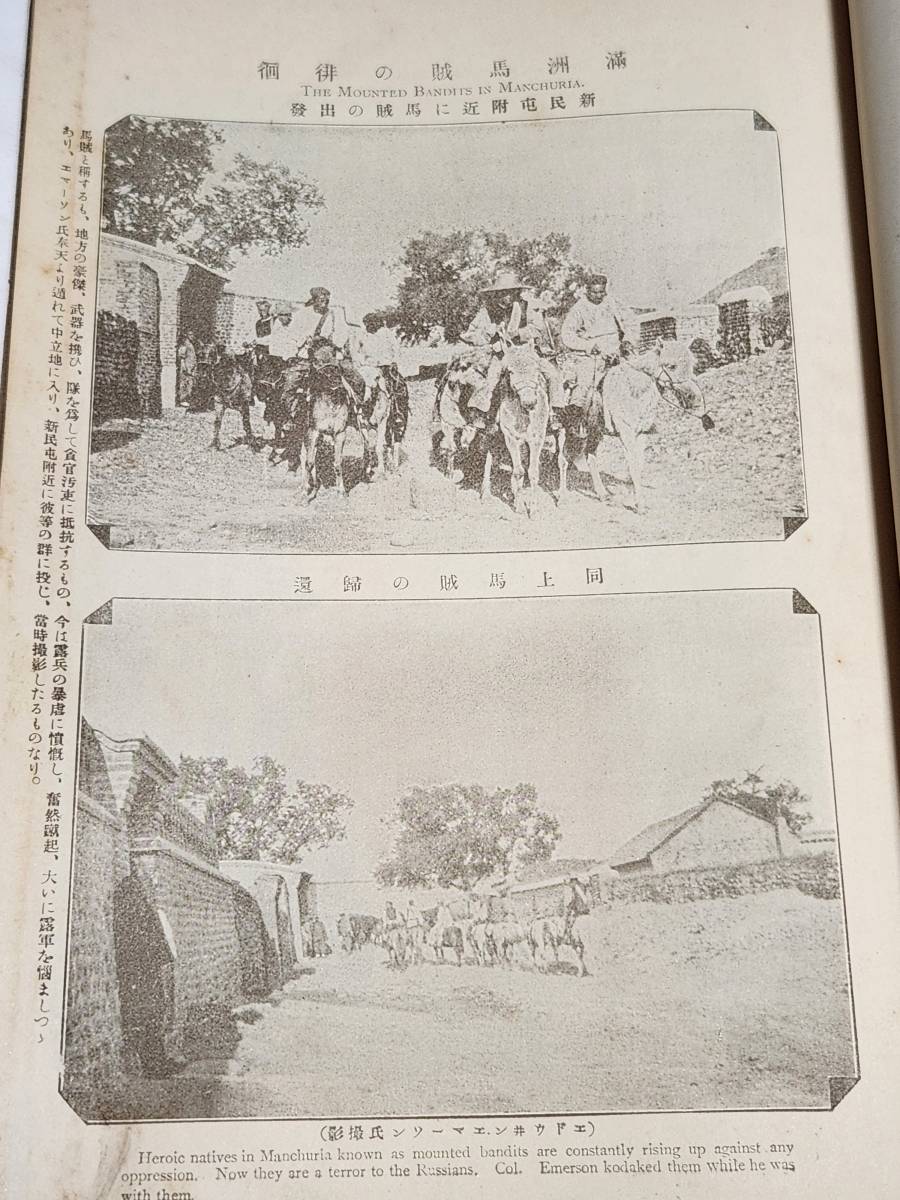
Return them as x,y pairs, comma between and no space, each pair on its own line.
328,413
522,417
286,410
517,419
549,933
383,417
232,387
446,934
345,932
396,943
480,936
509,935
622,402
453,434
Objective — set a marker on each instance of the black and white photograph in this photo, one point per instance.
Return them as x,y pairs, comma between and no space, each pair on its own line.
510,335
374,859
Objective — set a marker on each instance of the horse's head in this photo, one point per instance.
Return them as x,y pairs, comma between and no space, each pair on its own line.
524,376
322,352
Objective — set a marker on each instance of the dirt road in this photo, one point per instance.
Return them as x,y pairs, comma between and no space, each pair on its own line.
160,486
733,1003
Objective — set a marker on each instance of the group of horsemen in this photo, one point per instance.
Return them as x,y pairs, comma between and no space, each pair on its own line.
287,342
572,353
487,932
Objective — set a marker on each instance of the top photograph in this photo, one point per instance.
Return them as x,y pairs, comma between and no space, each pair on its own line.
568,333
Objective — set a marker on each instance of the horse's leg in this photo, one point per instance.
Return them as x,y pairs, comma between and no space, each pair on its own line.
248,428
536,438
380,435
633,445
219,408
600,489
562,463
579,950
310,447
514,446
486,476
339,461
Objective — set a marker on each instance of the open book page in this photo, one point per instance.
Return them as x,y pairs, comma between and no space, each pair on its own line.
876,54
447,741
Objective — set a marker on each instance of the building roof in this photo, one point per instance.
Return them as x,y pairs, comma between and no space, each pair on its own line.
756,296
677,311
651,838
643,844
162,252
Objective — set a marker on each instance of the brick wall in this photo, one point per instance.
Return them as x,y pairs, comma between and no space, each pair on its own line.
115,368
159,937
143,284
198,904
94,1051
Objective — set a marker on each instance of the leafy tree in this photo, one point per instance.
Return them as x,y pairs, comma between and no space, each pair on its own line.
256,814
453,835
158,188
445,272
261,205
152,174
769,799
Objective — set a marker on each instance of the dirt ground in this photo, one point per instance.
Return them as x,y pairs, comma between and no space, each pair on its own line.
717,1004
160,486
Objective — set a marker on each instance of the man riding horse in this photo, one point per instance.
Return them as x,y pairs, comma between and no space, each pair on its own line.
502,321
294,345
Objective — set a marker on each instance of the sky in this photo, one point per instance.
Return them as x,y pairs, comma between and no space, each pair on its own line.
620,709
668,204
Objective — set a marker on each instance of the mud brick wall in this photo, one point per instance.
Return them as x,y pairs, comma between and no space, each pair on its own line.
814,874
115,368
734,330
776,325
198,904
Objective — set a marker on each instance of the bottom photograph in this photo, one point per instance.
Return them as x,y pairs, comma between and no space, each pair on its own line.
456,858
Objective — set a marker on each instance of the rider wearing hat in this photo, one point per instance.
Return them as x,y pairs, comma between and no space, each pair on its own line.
495,326
505,318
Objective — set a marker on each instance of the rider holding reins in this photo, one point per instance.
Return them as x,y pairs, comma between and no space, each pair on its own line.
504,320
593,330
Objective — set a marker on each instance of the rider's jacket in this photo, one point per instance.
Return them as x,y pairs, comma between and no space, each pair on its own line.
587,325
483,328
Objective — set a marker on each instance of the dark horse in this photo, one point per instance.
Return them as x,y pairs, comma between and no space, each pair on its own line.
328,412
232,387
383,418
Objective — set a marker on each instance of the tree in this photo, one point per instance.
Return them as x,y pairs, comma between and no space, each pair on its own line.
158,188
256,814
445,271
770,800
152,174
453,835
261,205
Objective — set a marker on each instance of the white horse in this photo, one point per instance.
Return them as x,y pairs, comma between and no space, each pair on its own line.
547,934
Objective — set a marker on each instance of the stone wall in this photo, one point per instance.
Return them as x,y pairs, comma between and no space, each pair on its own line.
814,874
